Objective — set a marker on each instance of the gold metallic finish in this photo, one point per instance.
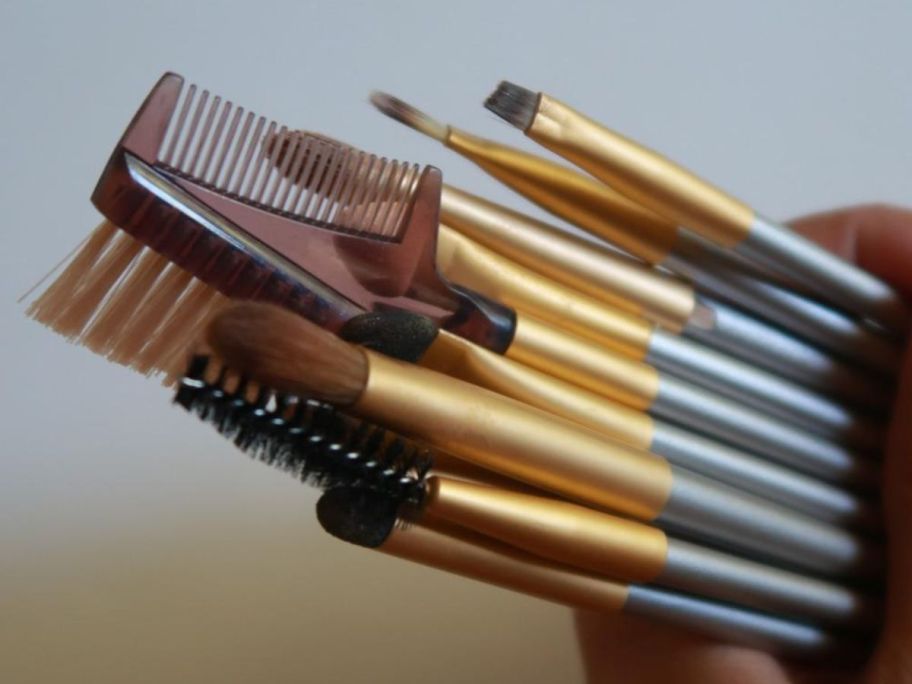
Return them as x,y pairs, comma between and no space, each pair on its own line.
594,270
458,469
459,358
565,532
463,553
466,263
642,175
583,363
515,440
578,198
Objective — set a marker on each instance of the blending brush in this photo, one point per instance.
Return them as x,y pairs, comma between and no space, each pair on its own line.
282,350
313,442
680,196
591,205
471,265
413,338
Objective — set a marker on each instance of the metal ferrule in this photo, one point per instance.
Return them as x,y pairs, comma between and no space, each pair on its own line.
762,390
640,174
827,327
832,277
571,195
633,551
461,552
461,359
467,263
747,338
596,270
583,362
762,477
513,439
708,510
729,623
704,411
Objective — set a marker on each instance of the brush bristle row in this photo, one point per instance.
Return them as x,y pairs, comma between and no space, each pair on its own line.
306,438
514,104
297,175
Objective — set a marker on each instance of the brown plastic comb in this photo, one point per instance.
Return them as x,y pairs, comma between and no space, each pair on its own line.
221,203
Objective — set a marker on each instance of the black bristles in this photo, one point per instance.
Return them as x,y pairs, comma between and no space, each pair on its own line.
514,104
308,439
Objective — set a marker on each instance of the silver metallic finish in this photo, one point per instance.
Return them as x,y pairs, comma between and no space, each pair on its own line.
706,572
699,409
751,340
702,508
762,390
732,624
713,274
779,248
761,477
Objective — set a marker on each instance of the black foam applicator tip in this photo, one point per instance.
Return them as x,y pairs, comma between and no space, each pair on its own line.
358,516
398,334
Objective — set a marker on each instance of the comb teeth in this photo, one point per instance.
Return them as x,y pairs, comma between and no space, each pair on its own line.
309,439
297,175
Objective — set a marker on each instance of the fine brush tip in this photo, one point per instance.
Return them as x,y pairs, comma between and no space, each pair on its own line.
514,104
405,113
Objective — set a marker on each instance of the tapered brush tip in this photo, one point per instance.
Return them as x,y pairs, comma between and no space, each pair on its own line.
514,104
405,113
276,347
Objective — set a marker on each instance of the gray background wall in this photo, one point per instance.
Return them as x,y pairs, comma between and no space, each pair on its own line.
137,546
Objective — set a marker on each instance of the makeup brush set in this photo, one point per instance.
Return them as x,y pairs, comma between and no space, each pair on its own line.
681,417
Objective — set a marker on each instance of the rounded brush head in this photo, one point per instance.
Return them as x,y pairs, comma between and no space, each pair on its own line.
405,113
357,516
514,104
306,438
399,334
288,353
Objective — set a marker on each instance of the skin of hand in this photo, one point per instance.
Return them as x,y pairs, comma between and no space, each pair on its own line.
618,648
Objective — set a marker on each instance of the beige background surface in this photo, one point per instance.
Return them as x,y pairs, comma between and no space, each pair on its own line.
137,546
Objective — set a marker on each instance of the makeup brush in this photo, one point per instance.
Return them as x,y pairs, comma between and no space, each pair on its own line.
597,271
470,265
316,444
412,338
593,206
663,186
281,350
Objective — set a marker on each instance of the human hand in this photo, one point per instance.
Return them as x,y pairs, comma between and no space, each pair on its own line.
619,648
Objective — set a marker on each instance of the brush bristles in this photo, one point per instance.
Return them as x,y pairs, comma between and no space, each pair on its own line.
514,104
128,303
406,114
306,438
280,349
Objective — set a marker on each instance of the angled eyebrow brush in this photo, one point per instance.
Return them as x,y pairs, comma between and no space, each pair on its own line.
316,443
280,349
590,204
658,183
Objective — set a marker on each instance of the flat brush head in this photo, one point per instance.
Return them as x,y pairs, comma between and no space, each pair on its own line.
514,104
288,353
307,438
405,113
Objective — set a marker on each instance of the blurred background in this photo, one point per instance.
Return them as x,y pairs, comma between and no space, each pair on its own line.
135,544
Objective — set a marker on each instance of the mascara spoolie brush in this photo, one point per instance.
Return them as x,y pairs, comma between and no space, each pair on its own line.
590,204
658,183
290,354
319,445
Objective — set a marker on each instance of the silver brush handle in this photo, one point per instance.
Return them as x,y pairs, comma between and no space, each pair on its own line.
762,390
711,270
707,510
838,281
732,624
705,572
761,477
704,411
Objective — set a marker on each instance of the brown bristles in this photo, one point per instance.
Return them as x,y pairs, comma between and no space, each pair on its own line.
282,350
405,113
514,104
